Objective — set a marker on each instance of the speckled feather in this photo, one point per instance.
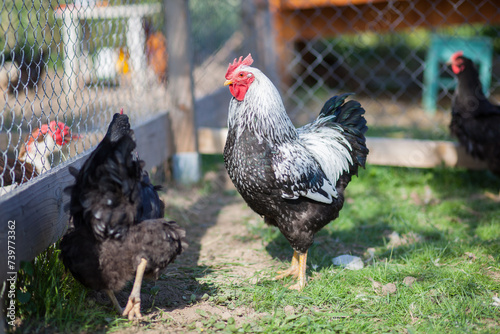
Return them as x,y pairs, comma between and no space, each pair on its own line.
295,178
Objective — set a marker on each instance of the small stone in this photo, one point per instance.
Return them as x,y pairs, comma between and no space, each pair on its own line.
409,280
349,262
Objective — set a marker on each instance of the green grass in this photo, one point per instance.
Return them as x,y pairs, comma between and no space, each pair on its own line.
399,132
456,264
50,300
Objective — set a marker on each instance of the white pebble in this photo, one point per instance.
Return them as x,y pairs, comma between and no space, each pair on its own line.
349,262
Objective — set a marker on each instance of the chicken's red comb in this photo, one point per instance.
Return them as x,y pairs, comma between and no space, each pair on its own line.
121,111
237,63
456,55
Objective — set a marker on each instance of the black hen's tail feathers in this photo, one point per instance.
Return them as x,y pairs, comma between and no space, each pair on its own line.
112,192
106,195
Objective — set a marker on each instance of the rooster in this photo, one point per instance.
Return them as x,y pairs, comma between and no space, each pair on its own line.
117,216
34,154
475,121
294,178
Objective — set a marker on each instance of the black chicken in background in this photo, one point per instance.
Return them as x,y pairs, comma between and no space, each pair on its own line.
475,121
117,216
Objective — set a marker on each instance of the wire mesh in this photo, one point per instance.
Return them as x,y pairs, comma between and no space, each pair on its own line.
78,62
379,50
65,69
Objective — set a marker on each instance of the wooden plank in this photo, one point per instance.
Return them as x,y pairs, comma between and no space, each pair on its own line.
259,36
154,143
419,153
413,153
38,207
378,16
180,73
211,140
307,4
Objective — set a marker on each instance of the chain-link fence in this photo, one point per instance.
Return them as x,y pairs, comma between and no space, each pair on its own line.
65,68
390,53
78,62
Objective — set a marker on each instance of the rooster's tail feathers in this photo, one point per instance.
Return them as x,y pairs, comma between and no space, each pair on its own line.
348,114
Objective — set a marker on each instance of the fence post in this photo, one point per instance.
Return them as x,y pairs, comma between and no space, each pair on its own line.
186,159
259,36
71,48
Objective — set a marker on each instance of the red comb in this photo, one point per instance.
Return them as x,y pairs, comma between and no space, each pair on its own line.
456,55
237,63
121,111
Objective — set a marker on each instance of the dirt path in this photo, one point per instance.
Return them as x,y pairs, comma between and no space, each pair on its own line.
220,250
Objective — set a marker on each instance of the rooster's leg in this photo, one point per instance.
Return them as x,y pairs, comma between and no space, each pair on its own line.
133,307
115,303
301,282
293,270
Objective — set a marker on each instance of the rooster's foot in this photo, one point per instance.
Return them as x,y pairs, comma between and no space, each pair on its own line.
292,271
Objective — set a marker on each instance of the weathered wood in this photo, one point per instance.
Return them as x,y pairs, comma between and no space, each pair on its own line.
212,140
383,151
38,207
419,153
180,75
259,36
154,144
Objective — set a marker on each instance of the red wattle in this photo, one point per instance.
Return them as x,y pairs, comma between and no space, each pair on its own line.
238,91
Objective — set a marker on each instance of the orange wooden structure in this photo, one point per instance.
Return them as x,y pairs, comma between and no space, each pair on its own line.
296,20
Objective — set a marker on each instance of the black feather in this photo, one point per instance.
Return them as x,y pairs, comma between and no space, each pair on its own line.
475,121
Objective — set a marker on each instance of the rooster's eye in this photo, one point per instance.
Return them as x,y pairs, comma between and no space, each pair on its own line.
241,74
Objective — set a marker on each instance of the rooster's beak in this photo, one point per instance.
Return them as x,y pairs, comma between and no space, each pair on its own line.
227,82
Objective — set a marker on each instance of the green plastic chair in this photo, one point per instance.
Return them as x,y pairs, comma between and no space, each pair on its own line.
478,49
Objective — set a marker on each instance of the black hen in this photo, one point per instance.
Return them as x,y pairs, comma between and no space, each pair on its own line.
294,178
118,226
475,121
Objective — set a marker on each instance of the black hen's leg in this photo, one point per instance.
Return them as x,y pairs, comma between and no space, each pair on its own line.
114,301
133,308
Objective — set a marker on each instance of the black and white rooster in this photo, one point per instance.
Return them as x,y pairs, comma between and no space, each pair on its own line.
117,217
475,121
294,178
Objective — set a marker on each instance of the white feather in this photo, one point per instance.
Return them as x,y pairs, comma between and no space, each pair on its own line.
329,147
